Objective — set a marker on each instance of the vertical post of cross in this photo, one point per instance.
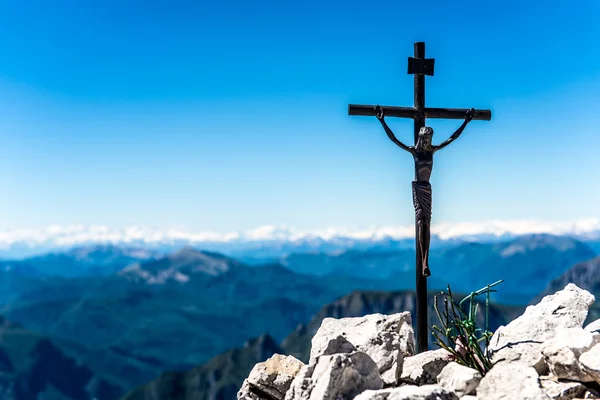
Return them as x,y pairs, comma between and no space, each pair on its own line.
421,284
419,91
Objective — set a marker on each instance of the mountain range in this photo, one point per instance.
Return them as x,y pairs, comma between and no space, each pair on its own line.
535,259
273,242
462,264
81,261
129,314
144,312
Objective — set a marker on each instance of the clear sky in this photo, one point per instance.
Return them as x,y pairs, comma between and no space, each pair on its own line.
229,115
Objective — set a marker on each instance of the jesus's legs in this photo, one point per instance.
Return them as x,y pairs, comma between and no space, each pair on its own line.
424,237
422,202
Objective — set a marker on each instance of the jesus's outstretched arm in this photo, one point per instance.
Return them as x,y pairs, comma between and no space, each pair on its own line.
459,131
388,131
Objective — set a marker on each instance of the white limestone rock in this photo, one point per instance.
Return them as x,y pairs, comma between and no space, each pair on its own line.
521,339
424,368
331,345
387,339
562,390
459,379
336,377
275,375
408,392
590,360
511,381
593,326
562,353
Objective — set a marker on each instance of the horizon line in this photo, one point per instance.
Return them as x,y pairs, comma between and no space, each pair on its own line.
69,235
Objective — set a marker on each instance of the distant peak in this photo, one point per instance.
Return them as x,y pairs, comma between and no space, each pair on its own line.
188,251
181,267
191,253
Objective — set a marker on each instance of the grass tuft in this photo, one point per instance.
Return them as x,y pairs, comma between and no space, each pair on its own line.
458,332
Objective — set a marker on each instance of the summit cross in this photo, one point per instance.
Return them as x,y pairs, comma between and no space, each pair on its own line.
422,152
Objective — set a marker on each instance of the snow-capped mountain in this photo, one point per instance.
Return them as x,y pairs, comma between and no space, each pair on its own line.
268,241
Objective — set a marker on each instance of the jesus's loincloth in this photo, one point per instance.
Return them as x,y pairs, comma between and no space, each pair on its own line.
422,200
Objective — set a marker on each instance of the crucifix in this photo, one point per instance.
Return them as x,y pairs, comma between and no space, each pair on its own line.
422,152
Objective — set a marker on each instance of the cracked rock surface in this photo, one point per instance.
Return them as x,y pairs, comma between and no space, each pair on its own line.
522,338
336,377
387,339
511,381
561,354
424,368
274,376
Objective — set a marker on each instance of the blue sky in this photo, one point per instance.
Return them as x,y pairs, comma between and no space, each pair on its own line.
229,115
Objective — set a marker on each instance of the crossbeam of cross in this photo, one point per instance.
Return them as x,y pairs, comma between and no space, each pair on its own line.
412,112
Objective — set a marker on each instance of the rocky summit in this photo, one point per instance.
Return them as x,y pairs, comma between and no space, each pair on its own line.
544,354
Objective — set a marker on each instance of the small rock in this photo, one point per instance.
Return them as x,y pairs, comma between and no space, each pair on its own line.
562,390
593,326
459,379
562,353
336,377
274,376
511,381
245,393
427,392
424,368
590,360
387,339
521,339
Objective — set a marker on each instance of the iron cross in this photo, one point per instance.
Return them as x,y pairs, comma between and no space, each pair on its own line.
422,151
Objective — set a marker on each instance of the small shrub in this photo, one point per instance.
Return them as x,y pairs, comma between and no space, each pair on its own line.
458,332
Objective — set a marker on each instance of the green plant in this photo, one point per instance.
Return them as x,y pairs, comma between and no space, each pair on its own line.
458,332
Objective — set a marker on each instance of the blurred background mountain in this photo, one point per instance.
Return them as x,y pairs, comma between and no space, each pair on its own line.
147,322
